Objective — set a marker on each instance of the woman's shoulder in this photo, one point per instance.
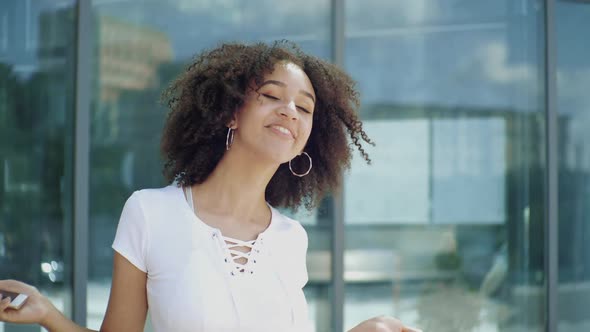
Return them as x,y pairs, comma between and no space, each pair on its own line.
153,199
148,195
288,225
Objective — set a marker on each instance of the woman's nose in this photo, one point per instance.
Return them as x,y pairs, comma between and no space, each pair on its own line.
290,110
291,106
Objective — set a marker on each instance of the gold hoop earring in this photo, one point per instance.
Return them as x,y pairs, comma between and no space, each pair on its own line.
308,170
229,140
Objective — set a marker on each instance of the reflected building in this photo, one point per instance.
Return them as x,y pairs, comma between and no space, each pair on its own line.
128,59
36,111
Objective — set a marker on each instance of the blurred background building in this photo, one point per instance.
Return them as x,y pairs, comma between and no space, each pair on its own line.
475,106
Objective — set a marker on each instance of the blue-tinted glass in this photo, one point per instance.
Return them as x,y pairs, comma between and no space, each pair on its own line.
445,229
37,62
573,104
139,47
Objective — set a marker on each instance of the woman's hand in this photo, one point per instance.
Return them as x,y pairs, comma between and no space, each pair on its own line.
34,311
383,324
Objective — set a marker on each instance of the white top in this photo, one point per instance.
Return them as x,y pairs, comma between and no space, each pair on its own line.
193,280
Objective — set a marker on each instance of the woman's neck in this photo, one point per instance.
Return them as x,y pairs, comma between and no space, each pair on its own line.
236,187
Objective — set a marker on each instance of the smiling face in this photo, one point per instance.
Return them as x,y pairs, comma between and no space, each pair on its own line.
276,118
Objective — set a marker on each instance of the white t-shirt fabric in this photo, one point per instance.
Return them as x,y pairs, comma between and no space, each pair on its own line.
192,282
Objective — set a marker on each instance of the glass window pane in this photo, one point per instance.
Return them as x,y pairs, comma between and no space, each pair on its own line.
140,46
573,104
37,62
452,208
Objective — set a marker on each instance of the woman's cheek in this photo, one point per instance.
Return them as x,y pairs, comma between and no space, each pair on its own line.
308,129
305,134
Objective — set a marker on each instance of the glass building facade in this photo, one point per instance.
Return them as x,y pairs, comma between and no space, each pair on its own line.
474,215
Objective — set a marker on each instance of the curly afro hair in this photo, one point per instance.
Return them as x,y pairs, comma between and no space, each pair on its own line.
203,100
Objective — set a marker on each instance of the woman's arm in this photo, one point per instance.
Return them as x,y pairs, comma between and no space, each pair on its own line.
126,311
383,324
127,307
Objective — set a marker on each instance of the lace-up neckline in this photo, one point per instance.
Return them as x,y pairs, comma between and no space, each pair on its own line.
229,245
250,255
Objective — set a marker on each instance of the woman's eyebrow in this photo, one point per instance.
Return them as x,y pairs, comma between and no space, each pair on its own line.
282,84
279,83
308,94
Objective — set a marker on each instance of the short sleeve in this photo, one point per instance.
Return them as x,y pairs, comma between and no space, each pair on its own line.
132,233
302,264
302,321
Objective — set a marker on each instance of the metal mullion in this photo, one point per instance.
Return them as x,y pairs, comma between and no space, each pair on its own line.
551,137
338,230
81,158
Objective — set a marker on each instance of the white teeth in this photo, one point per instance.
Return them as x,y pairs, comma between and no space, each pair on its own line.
283,130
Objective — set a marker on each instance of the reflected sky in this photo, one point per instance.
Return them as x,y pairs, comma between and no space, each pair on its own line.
481,53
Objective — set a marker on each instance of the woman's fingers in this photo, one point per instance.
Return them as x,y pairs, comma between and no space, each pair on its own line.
33,309
5,313
5,303
391,324
16,286
410,329
395,324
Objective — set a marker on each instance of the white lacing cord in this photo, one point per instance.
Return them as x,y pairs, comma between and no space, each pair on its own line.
230,243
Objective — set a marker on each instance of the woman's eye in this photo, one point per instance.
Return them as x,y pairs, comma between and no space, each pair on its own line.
270,96
303,109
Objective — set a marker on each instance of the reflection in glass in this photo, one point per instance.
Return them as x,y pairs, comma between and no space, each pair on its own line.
451,209
573,104
140,47
37,59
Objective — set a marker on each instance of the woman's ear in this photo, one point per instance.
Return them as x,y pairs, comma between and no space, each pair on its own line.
233,124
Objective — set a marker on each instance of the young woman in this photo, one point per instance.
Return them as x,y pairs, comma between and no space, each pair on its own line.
250,128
